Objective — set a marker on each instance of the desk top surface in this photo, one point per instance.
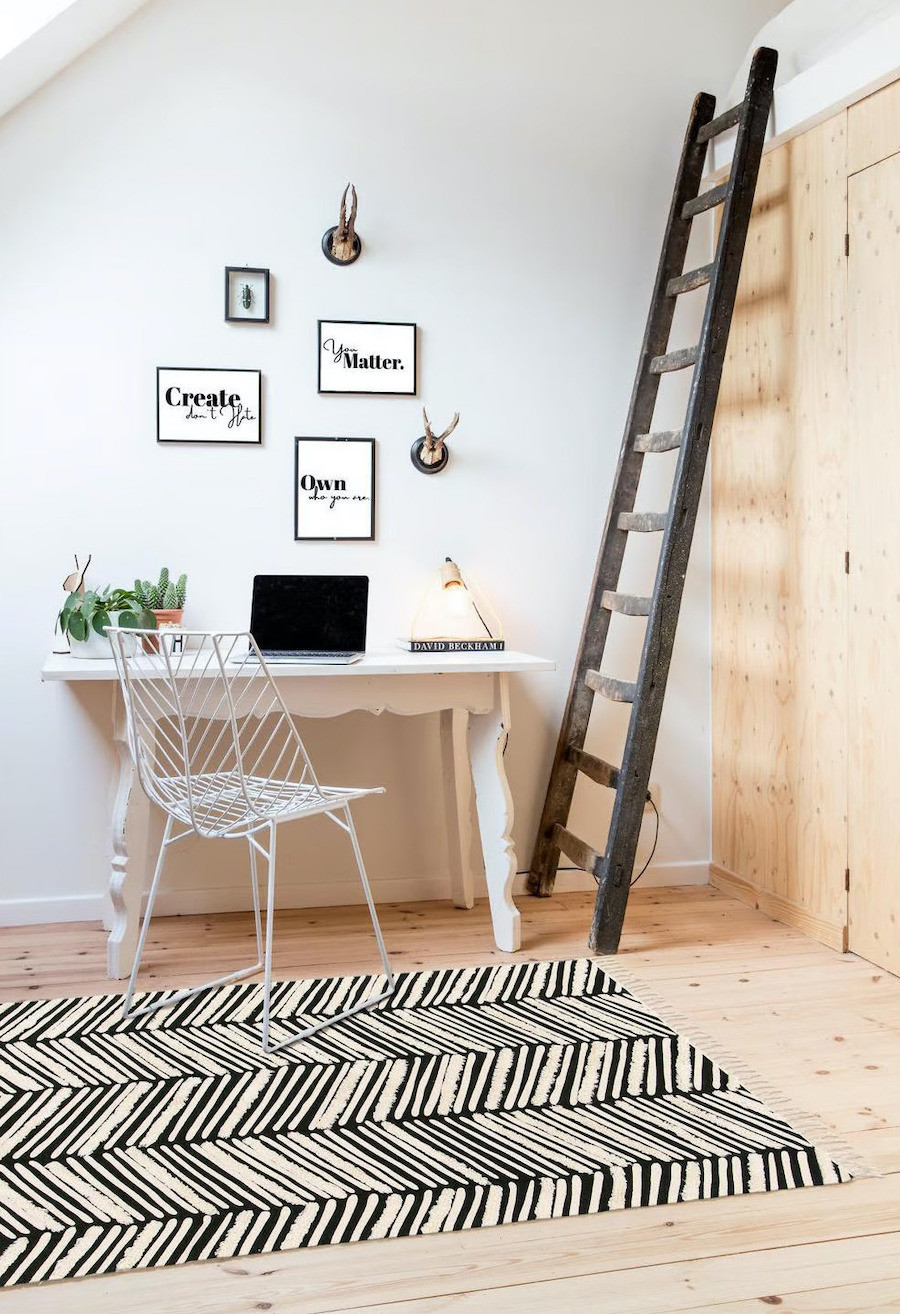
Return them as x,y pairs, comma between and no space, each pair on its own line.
389,661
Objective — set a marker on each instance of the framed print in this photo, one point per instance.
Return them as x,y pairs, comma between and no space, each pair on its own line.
204,405
334,488
246,295
358,356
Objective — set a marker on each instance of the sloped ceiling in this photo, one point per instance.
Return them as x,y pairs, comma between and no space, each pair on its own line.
807,32
38,38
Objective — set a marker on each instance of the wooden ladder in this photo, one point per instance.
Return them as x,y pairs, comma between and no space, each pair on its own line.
612,870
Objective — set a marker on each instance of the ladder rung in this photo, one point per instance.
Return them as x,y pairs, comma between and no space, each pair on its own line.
627,604
721,124
675,360
618,691
664,441
705,201
581,854
643,522
692,279
595,767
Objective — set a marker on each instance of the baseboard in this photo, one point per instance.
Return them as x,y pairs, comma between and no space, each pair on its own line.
657,876
778,907
312,894
303,894
63,908
423,889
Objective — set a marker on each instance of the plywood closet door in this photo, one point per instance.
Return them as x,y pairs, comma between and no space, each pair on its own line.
874,369
779,476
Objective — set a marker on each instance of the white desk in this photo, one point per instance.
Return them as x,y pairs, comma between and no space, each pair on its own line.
470,690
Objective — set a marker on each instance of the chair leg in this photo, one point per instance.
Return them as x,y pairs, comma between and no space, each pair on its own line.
270,930
145,925
364,1004
254,890
376,926
239,975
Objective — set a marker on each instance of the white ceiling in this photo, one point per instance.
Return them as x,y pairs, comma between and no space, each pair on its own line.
38,38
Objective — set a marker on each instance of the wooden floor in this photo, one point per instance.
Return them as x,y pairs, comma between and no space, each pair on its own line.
822,1027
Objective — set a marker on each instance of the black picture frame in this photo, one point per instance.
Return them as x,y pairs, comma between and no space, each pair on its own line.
413,391
230,271
333,538
210,442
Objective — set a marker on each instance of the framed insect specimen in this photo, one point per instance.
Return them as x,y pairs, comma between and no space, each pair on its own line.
246,295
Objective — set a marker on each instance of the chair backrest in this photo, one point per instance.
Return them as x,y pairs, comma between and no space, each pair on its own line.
211,737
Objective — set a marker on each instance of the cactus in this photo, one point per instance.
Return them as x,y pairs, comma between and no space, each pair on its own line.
165,594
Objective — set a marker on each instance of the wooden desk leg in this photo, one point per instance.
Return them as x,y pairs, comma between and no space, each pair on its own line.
488,735
124,881
457,804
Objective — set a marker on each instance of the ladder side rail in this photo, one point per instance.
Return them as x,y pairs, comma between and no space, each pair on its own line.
614,876
564,773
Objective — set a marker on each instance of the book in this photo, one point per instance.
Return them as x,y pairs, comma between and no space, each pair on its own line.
452,645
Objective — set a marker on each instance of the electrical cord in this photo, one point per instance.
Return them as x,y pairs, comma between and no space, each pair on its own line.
526,871
652,803
636,878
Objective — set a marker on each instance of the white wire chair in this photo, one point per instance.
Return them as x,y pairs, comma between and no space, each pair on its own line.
216,748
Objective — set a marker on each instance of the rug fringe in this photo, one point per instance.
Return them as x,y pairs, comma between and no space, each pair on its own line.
814,1128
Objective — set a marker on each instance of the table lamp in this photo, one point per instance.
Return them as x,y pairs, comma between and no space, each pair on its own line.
454,617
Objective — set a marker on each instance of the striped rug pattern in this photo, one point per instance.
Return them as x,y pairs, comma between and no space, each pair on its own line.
471,1097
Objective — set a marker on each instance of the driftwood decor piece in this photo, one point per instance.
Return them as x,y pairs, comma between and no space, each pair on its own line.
430,453
341,244
74,583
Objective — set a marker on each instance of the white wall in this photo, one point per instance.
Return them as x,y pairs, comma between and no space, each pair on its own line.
514,162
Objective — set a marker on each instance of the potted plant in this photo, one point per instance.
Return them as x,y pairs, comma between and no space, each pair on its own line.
86,613
165,599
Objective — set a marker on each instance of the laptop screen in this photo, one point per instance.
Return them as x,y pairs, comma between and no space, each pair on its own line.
310,613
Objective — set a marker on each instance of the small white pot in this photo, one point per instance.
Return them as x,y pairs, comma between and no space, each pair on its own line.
95,646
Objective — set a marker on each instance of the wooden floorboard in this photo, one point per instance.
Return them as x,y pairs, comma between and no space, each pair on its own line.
822,1027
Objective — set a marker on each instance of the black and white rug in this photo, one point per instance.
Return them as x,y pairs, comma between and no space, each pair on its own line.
471,1097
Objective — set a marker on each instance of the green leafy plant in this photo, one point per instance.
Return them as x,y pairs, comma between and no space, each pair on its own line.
165,595
93,610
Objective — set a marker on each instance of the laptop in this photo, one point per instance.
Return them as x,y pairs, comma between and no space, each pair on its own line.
310,618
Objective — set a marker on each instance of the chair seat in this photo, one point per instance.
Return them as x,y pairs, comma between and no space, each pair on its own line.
226,805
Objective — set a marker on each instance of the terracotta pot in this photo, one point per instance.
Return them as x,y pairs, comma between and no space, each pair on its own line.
166,616
170,616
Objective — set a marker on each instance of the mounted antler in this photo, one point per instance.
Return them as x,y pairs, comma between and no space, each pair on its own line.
434,446
341,244
429,454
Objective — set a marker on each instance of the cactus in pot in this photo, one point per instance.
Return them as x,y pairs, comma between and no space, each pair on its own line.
165,598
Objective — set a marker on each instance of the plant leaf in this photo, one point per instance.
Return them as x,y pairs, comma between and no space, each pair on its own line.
99,622
77,626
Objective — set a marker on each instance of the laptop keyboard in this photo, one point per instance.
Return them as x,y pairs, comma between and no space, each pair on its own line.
299,654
